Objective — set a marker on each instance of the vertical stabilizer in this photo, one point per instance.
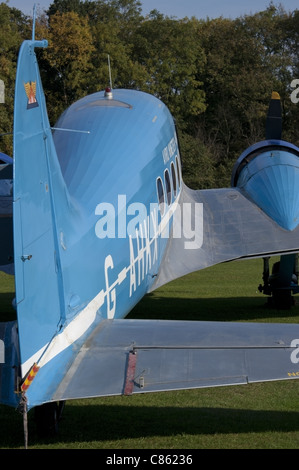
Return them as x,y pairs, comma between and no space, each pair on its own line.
38,274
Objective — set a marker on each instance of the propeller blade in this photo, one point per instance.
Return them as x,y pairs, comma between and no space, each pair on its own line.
274,119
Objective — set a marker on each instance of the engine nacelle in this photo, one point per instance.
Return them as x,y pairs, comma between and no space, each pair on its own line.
268,174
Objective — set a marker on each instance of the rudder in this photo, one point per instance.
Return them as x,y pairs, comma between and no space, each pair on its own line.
38,277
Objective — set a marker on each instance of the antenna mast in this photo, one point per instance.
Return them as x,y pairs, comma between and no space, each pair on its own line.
109,67
33,22
108,91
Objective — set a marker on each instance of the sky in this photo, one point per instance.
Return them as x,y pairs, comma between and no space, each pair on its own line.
201,9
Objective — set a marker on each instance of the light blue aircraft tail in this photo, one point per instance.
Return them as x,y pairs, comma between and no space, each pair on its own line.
39,214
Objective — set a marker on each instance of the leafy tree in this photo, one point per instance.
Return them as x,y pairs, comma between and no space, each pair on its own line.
216,76
65,6
67,60
236,84
197,163
99,10
110,38
172,55
111,23
272,28
291,114
13,25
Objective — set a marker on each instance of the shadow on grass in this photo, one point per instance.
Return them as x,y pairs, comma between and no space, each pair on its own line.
118,422
209,309
92,423
198,309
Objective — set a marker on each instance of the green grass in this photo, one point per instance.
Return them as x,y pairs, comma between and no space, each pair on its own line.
255,416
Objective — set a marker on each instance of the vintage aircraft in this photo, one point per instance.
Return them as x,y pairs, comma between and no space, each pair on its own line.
101,217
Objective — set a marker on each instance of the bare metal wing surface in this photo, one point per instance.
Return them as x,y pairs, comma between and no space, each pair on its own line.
139,356
224,225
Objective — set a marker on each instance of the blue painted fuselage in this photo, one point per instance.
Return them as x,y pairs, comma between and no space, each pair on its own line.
91,210
127,142
113,192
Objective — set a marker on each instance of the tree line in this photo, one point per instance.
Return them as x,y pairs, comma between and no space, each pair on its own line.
215,75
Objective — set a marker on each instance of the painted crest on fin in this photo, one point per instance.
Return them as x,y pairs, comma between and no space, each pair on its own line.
30,88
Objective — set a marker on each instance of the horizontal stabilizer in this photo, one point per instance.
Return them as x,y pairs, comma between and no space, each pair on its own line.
138,356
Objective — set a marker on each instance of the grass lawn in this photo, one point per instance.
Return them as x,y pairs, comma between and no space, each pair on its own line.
255,416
